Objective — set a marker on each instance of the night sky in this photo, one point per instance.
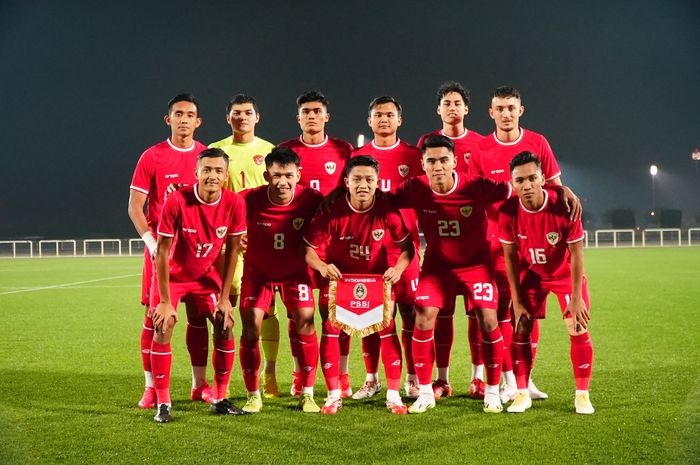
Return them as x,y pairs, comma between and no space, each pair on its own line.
614,85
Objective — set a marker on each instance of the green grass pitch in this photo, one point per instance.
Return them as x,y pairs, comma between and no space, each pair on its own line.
70,377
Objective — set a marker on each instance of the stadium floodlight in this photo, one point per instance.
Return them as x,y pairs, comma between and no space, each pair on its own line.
360,140
695,155
653,170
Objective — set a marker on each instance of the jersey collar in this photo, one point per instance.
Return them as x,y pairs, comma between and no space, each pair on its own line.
516,141
301,139
544,204
455,176
174,147
215,202
347,199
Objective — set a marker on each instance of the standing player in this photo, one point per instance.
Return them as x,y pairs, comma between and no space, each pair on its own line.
398,161
535,228
451,212
323,160
171,161
452,107
491,159
196,222
246,153
353,234
277,216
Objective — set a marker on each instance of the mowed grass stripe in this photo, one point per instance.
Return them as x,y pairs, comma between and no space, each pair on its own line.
70,376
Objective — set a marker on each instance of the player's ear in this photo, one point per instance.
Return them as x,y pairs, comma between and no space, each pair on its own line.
466,110
257,117
369,121
400,120
298,176
266,176
347,182
166,118
522,110
328,117
491,113
437,110
198,122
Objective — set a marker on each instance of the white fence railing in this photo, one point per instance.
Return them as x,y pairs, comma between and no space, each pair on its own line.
652,237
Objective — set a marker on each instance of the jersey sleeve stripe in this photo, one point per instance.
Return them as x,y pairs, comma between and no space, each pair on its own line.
579,239
404,238
554,176
505,241
164,234
238,233
145,191
310,244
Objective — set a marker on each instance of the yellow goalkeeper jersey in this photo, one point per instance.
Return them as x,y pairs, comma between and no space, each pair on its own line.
246,162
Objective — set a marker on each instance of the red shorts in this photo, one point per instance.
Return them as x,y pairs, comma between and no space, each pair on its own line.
146,277
438,287
259,292
535,291
407,286
202,293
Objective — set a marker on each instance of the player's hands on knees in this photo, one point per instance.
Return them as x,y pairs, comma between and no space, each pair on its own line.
573,203
392,275
579,314
244,242
330,271
223,313
165,317
520,312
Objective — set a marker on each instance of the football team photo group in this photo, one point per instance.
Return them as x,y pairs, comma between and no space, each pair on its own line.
304,226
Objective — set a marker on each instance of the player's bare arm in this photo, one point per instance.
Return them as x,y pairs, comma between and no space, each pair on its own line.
164,316
137,201
393,273
510,252
327,270
577,308
224,310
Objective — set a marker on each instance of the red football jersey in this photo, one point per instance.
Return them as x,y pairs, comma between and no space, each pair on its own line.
160,166
465,145
354,240
542,236
492,160
397,163
275,232
199,230
454,223
322,164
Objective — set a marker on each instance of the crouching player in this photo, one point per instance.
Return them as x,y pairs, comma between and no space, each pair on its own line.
195,223
535,228
278,214
353,237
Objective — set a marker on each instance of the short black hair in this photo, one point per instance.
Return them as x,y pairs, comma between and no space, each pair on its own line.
523,158
361,160
437,140
453,86
312,96
212,153
282,156
240,99
382,100
505,92
186,97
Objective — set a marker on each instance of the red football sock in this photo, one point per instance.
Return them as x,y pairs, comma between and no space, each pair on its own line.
308,358
344,343
522,359
161,362
582,360
391,356
535,339
370,352
444,338
492,347
423,354
406,342
197,341
506,327
146,342
222,358
474,336
250,362
330,355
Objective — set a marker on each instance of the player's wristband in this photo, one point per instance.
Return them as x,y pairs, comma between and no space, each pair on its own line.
150,242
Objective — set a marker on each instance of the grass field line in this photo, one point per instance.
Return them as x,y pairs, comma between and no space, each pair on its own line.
76,283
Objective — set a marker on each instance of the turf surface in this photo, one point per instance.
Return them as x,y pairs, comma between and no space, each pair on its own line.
70,377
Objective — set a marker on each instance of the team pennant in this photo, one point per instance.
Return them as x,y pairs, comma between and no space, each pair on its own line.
360,304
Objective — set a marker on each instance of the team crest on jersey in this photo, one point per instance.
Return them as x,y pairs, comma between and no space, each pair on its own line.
221,231
297,223
330,167
403,170
377,234
360,291
258,159
466,211
552,238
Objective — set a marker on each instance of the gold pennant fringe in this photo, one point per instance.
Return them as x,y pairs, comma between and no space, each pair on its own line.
387,313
